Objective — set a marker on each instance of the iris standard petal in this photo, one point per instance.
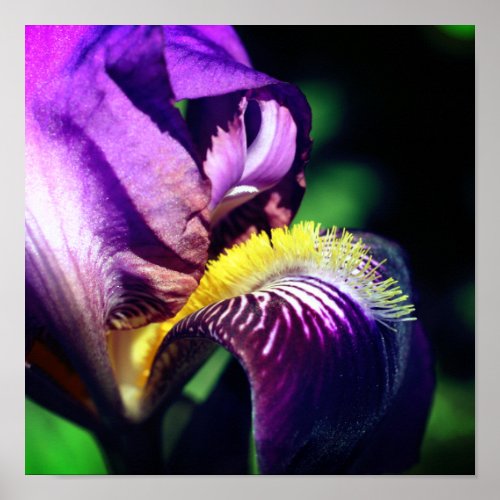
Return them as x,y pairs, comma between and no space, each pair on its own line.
237,172
116,220
327,360
271,153
226,158
208,61
209,66
273,171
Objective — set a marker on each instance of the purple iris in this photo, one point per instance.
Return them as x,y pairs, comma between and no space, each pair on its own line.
125,203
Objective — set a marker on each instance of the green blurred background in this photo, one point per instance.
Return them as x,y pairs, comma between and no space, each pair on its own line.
393,129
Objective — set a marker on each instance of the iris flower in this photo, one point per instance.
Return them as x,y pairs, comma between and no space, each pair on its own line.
129,206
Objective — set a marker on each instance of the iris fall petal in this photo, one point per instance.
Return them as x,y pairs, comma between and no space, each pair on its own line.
328,376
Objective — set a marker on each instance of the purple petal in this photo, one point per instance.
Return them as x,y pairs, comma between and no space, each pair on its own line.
205,66
276,206
208,61
324,374
116,220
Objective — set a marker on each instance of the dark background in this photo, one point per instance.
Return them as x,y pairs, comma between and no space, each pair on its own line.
393,122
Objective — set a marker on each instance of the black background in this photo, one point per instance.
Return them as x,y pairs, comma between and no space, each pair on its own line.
409,110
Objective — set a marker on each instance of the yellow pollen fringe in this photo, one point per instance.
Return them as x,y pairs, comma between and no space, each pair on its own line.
298,250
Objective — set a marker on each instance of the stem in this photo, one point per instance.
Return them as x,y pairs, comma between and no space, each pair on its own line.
133,448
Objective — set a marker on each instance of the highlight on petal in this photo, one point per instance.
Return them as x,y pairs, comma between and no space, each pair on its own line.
115,203
51,49
271,154
324,336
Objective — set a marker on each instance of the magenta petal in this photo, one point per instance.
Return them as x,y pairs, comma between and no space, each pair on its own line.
115,204
50,49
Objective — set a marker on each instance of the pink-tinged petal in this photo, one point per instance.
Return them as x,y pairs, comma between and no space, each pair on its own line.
115,204
226,158
239,173
271,154
276,206
327,379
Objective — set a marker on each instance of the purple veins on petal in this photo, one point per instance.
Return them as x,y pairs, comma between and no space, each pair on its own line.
323,370
208,61
306,387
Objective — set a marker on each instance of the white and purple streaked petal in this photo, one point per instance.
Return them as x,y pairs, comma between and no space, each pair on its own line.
275,206
322,373
116,219
328,378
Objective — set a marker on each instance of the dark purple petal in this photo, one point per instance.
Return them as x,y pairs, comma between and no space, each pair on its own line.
173,367
116,223
394,446
324,374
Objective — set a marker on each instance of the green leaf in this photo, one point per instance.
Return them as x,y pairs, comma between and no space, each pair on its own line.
56,446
